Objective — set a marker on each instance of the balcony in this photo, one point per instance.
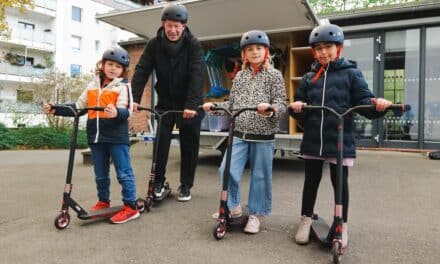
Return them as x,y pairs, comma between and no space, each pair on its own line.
46,7
48,4
37,40
11,72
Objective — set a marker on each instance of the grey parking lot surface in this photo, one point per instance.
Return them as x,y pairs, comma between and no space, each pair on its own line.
393,218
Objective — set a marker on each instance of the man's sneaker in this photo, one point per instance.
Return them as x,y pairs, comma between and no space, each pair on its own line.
184,193
236,212
303,234
344,235
126,214
159,189
253,225
100,205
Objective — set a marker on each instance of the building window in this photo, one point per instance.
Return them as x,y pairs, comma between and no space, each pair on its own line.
76,13
75,70
97,45
24,96
96,20
76,43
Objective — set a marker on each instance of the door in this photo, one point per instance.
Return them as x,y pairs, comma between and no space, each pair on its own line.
364,50
401,84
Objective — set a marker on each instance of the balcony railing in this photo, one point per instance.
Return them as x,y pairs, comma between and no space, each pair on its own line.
33,38
48,4
25,71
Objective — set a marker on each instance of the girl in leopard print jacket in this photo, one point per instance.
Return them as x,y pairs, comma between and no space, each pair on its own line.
257,84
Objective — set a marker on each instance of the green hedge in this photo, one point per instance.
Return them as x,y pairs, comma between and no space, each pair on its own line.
39,138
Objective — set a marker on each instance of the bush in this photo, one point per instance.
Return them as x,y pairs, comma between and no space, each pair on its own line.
39,138
7,138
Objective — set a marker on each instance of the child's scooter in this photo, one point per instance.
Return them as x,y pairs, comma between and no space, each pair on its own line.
63,219
224,221
332,236
147,203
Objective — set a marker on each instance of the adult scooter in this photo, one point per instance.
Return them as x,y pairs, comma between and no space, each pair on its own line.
147,203
225,221
63,218
332,235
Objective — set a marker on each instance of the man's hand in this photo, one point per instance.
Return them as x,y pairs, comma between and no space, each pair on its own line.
207,106
188,113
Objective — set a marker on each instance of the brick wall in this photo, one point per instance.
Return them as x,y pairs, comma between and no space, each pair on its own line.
138,121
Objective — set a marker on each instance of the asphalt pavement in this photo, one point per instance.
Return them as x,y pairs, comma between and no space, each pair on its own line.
393,218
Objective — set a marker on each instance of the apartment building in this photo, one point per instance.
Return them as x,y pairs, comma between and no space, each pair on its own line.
62,35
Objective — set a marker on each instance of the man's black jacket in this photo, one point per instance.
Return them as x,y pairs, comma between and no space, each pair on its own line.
179,78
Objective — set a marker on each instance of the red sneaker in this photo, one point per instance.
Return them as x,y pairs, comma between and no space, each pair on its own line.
126,214
100,205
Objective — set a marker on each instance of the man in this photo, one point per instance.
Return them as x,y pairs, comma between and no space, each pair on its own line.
177,58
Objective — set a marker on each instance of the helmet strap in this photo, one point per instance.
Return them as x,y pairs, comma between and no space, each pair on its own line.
338,54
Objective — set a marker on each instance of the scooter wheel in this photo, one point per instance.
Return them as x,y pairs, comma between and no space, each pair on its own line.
336,253
140,205
219,231
62,221
148,203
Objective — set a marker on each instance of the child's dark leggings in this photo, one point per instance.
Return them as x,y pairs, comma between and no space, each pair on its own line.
313,175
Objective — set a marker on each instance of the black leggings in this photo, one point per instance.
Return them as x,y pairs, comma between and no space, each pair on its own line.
313,175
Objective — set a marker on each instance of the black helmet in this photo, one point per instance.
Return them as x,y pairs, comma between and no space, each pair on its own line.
254,37
117,54
175,12
326,33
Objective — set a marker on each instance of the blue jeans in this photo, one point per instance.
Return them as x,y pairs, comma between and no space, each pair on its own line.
120,155
260,156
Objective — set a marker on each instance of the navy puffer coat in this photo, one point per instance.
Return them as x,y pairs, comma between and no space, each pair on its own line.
340,87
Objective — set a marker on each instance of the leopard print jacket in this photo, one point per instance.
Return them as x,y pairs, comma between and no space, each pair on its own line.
248,91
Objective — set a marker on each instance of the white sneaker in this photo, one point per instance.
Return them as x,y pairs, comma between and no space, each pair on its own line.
253,225
236,212
303,234
344,235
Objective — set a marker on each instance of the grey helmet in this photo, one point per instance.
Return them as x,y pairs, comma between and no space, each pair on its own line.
175,12
254,37
117,54
326,33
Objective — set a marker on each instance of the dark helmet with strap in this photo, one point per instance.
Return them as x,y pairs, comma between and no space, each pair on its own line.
175,12
326,33
254,37
117,54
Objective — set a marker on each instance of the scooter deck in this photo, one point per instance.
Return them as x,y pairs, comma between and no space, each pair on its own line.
320,229
107,212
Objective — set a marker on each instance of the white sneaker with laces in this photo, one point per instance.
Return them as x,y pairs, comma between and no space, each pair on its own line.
303,234
253,225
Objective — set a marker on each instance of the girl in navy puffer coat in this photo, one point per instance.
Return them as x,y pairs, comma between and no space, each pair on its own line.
336,83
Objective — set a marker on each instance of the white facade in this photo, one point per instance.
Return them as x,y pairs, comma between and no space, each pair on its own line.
43,37
83,42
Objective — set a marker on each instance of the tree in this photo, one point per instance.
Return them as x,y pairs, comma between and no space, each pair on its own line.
21,4
58,87
333,6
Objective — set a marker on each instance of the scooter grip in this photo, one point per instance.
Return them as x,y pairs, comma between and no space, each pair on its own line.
403,107
270,109
96,108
